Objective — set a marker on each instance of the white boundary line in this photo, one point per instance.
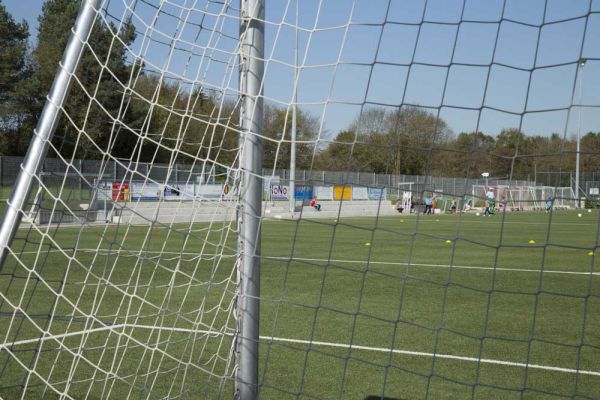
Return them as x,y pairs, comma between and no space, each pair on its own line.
438,355
280,258
7,346
445,218
439,266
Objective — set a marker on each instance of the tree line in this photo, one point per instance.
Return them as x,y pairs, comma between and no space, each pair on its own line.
119,106
413,141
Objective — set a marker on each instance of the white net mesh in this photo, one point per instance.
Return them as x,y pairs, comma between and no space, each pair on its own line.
378,278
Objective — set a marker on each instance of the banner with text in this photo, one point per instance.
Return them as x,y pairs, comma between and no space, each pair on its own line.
145,191
377,193
183,191
279,192
304,193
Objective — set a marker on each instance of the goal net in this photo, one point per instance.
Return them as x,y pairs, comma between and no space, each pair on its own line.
207,208
525,198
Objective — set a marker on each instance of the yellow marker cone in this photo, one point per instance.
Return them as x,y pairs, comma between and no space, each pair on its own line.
532,241
367,244
449,241
591,253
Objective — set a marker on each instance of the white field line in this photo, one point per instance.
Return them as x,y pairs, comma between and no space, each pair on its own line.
7,346
278,258
26,225
438,266
466,221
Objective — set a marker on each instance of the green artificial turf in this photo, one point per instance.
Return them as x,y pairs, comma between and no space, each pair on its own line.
451,285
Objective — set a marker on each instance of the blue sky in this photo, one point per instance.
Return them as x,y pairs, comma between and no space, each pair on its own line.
384,53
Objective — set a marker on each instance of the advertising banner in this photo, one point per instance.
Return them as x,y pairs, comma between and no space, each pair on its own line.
104,190
269,181
149,191
342,192
214,191
230,191
360,193
304,193
183,191
377,193
145,191
279,192
120,191
323,192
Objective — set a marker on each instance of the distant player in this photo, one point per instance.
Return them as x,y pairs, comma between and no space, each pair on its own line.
453,206
314,204
399,206
549,204
490,207
490,203
428,201
468,206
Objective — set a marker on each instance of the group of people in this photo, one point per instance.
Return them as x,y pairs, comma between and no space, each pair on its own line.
490,203
429,203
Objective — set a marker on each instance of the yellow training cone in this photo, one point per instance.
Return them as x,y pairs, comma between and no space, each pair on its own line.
449,241
532,241
591,253
367,244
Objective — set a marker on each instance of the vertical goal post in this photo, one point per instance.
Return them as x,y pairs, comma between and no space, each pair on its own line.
249,226
44,131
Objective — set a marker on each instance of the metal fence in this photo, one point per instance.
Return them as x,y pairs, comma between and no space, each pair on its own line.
79,175
457,186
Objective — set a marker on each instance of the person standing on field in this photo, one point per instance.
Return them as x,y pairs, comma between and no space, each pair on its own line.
453,206
428,201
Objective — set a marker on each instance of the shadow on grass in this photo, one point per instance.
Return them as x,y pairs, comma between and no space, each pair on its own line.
379,398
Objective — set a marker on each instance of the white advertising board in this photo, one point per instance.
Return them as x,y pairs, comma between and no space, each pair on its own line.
104,190
360,193
209,191
183,191
324,192
145,191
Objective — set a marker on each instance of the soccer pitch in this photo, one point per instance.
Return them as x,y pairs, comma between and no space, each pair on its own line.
437,306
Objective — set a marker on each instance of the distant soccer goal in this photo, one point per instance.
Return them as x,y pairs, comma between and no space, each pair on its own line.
525,198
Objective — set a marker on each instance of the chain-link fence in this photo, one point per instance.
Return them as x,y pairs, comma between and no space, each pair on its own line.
454,186
79,176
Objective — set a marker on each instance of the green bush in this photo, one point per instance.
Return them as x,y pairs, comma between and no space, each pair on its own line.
592,203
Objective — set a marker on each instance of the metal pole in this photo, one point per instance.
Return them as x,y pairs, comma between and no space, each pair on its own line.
251,114
577,195
38,147
292,188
